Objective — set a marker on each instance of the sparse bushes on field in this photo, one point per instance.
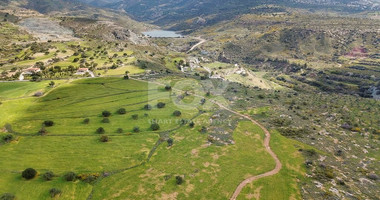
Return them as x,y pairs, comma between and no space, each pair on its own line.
136,129
122,111
88,178
155,127
100,130
7,196
177,113
106,113
86,121
48,176
179,180
135,116
54,192
105,120
48,123
161,105
104,138
147,107
69,176
29,173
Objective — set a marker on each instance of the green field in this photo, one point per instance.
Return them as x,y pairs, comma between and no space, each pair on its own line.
139,165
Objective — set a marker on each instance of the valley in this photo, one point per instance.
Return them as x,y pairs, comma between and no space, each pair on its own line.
154,100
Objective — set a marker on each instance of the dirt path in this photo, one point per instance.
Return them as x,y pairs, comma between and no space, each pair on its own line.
266,145
201,41
267,148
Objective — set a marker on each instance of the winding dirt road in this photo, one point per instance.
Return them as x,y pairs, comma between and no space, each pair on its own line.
267,148
266,145
201,41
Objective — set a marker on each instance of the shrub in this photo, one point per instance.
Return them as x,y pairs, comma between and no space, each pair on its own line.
42,131
170,142
104,138
8,138
161,105
54,192
7,196
178,180
106,113
100,130
119,130
136,129
105,120
86,121
192,124
29,173
148,107
48,176
89,177
155,126
373,176
177,113
168,87
203,129
48,123
122,111
135,116
69,176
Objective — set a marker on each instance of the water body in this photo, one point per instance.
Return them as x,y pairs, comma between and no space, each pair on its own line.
162,34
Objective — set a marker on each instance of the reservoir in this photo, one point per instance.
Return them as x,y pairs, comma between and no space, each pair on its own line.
162,34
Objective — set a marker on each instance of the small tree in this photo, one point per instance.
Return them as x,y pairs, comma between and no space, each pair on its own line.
100,130
52,84
120,130
29,173
161,105
136,129
155,127
122,111
48,176
106,113
170,142
86,121
43,131
192,124
48,123
135,116
69,176
168,87
178,180
7,196
54,192
105,120
104,138
8,138
148,107
177,113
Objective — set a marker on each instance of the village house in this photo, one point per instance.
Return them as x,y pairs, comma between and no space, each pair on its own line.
31,71
82,71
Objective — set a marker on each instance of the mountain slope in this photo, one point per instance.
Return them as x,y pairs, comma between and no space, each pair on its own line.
167,12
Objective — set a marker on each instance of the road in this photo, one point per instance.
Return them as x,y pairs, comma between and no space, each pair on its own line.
266,142
201,41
